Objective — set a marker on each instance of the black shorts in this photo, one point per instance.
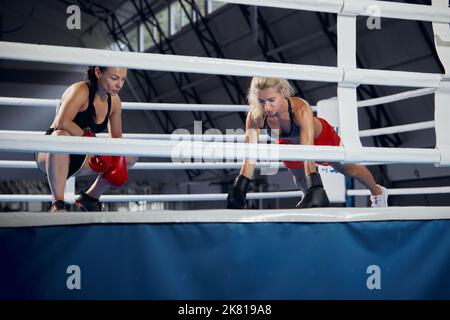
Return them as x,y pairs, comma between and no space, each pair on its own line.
76,161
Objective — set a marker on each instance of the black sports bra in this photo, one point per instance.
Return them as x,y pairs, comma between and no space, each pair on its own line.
87,118
294,133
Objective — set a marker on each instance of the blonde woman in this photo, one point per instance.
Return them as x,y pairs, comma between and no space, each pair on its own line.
273,107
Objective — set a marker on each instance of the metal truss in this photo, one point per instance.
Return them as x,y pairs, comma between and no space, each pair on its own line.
212,48
142,78
147,15
268,41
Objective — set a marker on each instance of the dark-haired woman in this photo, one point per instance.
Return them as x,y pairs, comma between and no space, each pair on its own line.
87,108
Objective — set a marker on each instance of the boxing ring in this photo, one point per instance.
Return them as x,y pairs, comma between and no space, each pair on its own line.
321,253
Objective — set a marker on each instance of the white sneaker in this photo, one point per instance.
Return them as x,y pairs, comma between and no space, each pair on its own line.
381,199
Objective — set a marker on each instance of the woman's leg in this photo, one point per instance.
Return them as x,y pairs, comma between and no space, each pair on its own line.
100,186
361,173
89,200
56,167
299,178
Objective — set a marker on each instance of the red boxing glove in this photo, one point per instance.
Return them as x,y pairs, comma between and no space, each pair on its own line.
97,163
117,175
100,163
87,132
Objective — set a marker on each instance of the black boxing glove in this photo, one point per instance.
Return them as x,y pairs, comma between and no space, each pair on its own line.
238,193
315,196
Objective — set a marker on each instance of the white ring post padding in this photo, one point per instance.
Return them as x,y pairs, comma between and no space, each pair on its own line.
348,111
207,150
189,64
442,117
442,95
216,196
359,7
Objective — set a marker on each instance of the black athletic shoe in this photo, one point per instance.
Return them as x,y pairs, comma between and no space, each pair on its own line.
86,203
59,206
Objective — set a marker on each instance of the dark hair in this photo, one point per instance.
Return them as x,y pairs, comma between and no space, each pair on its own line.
92,79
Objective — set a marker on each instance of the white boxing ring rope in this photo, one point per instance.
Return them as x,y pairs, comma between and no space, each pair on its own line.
209,150
163,136
151,165
147,106
194,197
241,138
28,102
345,74
397,129
216,196
362,8
189,64
141,106
227,108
